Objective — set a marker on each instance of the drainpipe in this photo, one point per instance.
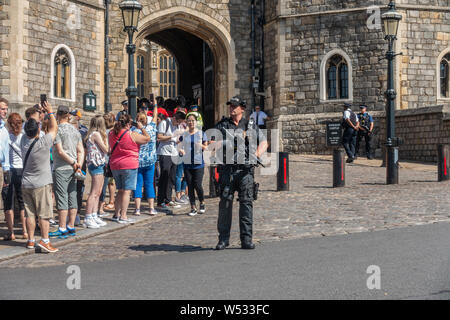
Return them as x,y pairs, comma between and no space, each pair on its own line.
108,106
262,22
253,39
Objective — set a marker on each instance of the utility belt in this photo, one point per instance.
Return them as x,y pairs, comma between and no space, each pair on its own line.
236,167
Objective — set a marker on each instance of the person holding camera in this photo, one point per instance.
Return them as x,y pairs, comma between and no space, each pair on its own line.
37,178
365,131
68,158
147,160
124,148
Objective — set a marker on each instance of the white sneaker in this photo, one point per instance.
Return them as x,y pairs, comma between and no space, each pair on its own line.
99,221
153,212
137,212
90,223
174,205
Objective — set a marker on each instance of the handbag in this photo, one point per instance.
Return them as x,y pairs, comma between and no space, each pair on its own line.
107,172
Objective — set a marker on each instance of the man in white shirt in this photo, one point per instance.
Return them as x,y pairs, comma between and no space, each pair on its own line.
351,126
4,146
260,117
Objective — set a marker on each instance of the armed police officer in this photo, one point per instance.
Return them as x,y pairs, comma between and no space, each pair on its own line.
350,123
365,130
242,145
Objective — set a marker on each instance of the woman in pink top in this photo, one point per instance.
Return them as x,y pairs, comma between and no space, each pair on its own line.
124,162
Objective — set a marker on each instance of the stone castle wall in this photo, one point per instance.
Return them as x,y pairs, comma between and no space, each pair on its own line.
420,129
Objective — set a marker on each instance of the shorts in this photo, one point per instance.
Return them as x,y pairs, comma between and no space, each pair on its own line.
38,202
125,179
96,171
14,190
65,186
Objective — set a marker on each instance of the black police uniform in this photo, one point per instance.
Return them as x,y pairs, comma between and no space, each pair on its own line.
364,122
239,177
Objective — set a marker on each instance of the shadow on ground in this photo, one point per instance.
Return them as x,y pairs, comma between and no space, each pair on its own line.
168,248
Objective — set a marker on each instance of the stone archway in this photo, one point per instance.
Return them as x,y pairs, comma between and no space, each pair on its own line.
210,30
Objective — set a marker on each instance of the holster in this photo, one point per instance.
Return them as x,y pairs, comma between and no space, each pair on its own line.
255,191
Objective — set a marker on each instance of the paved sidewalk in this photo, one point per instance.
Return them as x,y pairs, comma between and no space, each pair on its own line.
311,209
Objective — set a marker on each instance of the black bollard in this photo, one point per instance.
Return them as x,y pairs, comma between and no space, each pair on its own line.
392,171
443,162
213,181
338,168
283,172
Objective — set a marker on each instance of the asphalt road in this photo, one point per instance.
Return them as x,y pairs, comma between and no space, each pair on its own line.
414,264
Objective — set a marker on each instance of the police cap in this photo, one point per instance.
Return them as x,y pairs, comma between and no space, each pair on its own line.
237,101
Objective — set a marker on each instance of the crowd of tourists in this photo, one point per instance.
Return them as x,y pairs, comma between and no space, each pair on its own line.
46,156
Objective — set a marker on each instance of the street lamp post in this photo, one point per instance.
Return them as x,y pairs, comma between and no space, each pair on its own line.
391,20
131,10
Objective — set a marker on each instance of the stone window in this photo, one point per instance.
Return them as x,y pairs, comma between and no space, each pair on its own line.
336,77
140,76
444,76
61,75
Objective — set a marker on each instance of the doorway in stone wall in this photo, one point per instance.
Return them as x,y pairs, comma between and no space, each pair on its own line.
203,52
181,64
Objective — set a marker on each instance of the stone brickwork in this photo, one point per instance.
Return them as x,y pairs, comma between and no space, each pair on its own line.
232,15
42,25
4,47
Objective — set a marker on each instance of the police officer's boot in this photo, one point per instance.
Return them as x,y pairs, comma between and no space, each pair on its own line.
248,245
222,245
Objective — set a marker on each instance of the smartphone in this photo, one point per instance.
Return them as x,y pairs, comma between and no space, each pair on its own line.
43,99
134,124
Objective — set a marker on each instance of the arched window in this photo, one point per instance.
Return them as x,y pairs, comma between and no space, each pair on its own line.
165,62
336,77
161,65
444,76
62,76
140,76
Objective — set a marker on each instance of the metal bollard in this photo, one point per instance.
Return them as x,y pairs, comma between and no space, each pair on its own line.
338,168
443,162
283,172
213,181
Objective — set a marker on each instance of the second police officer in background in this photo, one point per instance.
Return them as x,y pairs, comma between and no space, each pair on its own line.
365,130
247,143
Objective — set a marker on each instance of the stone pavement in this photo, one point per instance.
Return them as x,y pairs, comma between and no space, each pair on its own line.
311,209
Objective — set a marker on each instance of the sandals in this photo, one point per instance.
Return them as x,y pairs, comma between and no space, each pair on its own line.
109,206
10,237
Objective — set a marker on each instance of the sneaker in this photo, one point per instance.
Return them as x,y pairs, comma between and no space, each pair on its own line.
47,247
192,213
173,205
126,221
59,234
99,221
180,201
185,198
137,212
30,244
115,219
202,209
53,222
72,232
90,223
153,212
103,214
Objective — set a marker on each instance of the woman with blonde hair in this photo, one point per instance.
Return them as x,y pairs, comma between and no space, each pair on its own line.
147,160
97,148
110,119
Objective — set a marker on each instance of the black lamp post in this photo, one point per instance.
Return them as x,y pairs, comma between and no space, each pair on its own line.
391,20
130,13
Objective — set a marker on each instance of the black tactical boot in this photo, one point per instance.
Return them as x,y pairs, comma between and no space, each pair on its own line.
222,245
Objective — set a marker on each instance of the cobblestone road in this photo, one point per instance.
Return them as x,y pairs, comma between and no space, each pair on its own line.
311,209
